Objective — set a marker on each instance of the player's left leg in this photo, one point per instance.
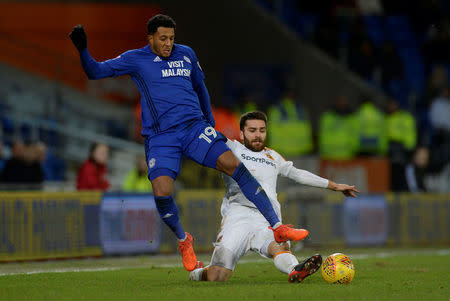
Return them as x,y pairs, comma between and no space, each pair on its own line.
237,230
287,263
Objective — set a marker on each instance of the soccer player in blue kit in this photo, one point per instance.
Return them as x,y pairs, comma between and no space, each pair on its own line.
176,121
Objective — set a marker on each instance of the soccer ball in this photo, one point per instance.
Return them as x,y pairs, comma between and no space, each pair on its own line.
338,268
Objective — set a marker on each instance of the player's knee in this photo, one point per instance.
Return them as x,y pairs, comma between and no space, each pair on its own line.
218,274
227,163
162,186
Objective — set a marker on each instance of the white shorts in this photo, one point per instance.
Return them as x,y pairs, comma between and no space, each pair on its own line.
243,229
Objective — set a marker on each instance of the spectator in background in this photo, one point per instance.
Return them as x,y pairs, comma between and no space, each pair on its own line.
290,130
34,174
15,168
437,48
401,139
416,170
440,122
390,65
136,180
436,82
371,129
338,132
440,111
362,59
92,174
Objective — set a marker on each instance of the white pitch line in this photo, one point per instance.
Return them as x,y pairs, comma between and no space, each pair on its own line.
443,252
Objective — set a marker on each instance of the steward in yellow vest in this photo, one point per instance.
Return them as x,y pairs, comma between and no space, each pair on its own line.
371,130
338,132
289,131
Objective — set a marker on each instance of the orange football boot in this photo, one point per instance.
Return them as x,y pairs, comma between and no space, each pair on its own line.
186,248
288,232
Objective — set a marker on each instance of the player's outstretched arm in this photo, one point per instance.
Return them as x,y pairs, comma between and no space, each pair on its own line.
307,178
347,190
92,68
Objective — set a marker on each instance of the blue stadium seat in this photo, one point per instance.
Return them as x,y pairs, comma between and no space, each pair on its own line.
400,31
7,125
305,24
375,29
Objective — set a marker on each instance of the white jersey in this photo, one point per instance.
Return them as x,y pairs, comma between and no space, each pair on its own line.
265,166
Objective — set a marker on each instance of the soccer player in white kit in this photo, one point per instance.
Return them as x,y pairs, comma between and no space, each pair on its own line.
243,227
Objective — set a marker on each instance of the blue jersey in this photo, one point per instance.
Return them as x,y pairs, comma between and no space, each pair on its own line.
172,89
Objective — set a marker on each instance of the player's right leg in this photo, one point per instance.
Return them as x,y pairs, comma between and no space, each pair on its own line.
164,159
168,211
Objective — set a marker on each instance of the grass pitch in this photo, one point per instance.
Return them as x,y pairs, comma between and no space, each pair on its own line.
381,274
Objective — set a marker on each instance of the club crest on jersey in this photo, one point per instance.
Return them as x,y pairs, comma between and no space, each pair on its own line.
151,163
269,156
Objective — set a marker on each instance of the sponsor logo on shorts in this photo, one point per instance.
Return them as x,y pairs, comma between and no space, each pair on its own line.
151,163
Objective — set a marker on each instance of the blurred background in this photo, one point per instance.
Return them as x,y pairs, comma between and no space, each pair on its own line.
356,91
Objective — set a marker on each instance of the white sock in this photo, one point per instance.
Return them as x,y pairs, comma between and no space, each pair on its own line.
285,262
276,225
196,275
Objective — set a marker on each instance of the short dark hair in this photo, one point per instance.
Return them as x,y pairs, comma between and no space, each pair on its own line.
255,115
160,20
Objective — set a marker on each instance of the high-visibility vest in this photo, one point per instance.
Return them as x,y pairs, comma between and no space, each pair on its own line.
289,132
337,136
401,127
136,183
372,136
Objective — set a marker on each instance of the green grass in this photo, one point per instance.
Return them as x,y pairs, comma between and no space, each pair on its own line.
394,275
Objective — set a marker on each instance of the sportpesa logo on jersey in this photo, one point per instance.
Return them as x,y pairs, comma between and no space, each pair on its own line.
259,160
176,69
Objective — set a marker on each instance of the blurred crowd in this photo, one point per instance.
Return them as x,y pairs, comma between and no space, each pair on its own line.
346,132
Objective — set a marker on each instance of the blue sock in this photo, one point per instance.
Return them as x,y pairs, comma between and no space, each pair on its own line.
254,192
168,212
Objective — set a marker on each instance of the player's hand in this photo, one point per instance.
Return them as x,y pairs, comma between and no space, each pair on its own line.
347,190
79,38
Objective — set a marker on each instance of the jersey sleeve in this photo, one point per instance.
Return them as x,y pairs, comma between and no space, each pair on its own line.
123,64
301,176
285,166
197,74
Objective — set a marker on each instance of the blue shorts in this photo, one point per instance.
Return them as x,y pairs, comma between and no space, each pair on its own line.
197,140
